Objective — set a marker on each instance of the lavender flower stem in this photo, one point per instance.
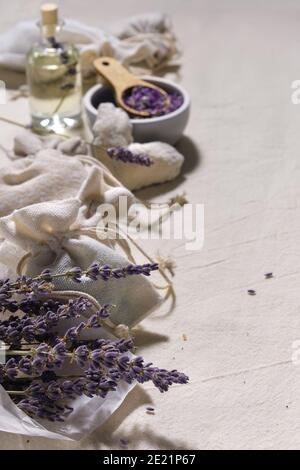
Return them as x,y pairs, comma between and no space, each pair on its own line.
19,353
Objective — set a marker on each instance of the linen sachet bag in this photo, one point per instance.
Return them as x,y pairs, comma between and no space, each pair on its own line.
62,234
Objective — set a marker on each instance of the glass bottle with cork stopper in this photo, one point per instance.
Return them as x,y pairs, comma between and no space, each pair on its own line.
53,76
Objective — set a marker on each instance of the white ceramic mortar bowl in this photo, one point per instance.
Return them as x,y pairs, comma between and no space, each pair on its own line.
167,128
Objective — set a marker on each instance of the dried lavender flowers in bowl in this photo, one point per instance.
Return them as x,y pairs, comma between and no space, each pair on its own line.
165,125
152,101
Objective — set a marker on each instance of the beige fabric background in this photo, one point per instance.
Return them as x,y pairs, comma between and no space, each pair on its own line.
242,150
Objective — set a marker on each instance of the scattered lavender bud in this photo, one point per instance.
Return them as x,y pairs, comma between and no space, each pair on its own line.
124,443
268,275
251,292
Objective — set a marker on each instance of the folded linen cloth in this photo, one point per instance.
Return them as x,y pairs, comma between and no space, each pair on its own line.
145,39
38,172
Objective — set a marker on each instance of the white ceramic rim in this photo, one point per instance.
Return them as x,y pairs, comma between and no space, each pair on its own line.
87,99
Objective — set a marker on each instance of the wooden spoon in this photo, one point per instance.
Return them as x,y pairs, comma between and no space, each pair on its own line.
122,80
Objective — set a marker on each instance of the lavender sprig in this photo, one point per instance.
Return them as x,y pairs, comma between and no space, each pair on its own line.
45,409
127,156
69,388
98,271
107,361
29,290
42,395
29,328
39,360
34,289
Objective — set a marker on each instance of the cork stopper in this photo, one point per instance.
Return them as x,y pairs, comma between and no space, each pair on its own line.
49,12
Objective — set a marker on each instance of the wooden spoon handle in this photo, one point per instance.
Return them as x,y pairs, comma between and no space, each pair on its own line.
115,74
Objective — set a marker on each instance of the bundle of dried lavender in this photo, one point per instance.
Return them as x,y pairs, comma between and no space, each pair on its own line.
36,352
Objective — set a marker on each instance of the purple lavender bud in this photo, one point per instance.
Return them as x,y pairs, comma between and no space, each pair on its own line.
100,343
54,391
10,369
51,318
59,351
28,333
36,389
95,320
68,389
123,363
25,366
71,334
79,328
91,389
104,311
93,271
76,307
118,273
109,358
81,355
115,374
38,365
92,374
42,351
96,354
78,386
105,272
75,274
124,345
29,406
